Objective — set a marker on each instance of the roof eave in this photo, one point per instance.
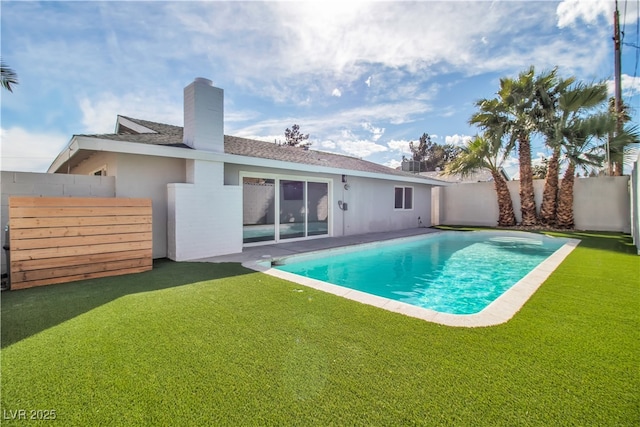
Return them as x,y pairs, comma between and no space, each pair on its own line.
78,143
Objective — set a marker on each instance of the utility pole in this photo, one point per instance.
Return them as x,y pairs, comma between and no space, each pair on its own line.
617,77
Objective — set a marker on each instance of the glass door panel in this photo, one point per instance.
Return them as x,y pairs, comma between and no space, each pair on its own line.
292,209
258,210
318,208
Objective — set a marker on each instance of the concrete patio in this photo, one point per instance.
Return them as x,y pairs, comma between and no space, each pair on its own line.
265,252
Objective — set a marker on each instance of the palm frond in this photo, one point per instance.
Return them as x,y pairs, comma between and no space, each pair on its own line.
8,77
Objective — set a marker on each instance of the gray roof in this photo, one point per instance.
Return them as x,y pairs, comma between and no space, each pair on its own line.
171,136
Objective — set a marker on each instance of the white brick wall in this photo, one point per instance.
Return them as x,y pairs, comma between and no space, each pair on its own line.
204,218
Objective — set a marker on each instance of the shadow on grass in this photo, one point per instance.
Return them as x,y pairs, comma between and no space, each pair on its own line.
28,311
602,240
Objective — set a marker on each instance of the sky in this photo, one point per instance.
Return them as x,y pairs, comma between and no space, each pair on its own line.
362,78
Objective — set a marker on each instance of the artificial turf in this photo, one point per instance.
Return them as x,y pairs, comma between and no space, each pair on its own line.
216,344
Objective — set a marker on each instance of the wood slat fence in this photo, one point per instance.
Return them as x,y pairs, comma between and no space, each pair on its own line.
63,239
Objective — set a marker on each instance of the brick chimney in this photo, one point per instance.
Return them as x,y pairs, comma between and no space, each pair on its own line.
203,116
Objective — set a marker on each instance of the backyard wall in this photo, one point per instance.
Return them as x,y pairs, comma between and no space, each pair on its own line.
634,196
601,203
48,185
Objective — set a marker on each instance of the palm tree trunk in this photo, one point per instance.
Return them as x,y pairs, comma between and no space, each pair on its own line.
527,199
617,168
565,199
507,217
550,194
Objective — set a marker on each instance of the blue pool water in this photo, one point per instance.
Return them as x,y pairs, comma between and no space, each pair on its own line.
449,272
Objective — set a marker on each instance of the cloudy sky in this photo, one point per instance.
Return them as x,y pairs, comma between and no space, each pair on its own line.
363,78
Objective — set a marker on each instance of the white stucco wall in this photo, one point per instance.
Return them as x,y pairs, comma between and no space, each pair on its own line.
204,216
370,201
48,185
371,206
141,176
600,203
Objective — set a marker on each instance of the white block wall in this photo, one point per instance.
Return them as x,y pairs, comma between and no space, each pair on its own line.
634,200
48,185
205,217
600,204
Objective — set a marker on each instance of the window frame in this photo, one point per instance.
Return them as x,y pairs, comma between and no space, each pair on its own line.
404,189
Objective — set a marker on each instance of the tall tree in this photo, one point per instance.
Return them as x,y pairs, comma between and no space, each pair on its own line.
293,137
419,151
486,152
517,111
527,99
432,156
616,156
583,140
573,101
8,77
548,127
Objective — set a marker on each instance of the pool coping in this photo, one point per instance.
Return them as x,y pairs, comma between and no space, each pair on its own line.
497,312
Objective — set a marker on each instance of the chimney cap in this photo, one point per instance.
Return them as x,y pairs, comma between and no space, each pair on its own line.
203,80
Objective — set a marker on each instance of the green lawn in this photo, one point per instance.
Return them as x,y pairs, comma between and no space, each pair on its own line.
216,344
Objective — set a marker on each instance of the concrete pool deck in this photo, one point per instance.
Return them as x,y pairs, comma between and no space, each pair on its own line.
499,311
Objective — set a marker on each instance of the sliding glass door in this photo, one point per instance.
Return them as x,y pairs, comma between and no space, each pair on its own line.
258,210
318,208
302,207
293,215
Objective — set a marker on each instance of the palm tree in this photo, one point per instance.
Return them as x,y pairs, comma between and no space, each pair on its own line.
517,111
625,147
571,101
583,138
616,157
8,77
486,152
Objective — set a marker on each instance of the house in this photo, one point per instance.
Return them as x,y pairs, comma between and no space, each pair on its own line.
214,194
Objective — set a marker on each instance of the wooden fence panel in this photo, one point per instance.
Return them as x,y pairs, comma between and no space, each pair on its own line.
63,239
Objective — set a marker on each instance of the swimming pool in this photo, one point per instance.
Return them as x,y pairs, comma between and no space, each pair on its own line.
447,274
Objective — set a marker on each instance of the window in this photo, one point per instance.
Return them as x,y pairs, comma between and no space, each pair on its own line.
403,198
100,172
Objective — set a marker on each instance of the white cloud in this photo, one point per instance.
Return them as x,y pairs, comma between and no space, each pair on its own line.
393,164
336,92
376,133
569,12
23,151
360,148
630,86
368,81
328,145
457,140
399,145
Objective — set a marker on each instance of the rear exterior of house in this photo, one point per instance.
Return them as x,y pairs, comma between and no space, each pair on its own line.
214,194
